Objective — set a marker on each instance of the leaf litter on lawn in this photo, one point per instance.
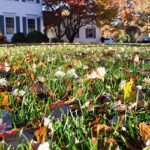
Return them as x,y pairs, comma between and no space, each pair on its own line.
81,98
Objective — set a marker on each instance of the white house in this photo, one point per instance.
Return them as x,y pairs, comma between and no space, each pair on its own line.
20,16
87,34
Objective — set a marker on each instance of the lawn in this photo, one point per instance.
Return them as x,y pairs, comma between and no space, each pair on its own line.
75,97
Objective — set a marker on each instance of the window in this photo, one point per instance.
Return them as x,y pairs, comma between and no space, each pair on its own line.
31,25
90,33
30,0
10,25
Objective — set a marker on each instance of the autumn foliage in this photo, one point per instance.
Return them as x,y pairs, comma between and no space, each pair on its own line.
66,17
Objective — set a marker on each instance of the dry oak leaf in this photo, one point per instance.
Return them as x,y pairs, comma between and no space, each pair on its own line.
100,129
105,144
144,130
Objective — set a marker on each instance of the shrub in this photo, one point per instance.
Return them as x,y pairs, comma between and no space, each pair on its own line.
3,39
19,38
36,37
56,40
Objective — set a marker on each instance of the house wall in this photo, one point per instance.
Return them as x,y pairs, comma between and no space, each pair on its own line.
82,35
83,38
20,9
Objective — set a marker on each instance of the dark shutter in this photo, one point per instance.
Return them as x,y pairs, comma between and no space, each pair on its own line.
94,33
23,0
37,1
2,24
16,0
38,24
77,34
24,25
17,24
86,33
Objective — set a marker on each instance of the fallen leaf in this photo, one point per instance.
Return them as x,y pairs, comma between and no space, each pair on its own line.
5,120
70,101
5,98
96,121
40,134
5,67
79,92
98,73
101,129
144,131
121,120
56,110
105,144
16,136
60,74
128,92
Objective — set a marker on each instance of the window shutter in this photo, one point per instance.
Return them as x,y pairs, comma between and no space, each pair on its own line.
17,24
23,0
86,33
94,33
2,24
38,24
24,25
37,1
77,34
16,0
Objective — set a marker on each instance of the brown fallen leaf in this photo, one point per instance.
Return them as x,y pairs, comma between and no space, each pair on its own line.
15,136
104,144
74,106
121,108
100,129
144,131
56,110
37,88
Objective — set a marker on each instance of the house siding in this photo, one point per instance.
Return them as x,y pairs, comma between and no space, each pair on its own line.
18,8
83,35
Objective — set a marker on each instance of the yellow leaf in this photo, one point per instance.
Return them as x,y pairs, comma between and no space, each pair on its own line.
128,93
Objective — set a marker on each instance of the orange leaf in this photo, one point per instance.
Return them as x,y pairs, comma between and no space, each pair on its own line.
121,119
79,92
40,134
96,121
32,77
5,98
134,78
68,66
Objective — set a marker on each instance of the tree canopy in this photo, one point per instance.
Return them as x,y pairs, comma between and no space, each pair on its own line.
68,16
